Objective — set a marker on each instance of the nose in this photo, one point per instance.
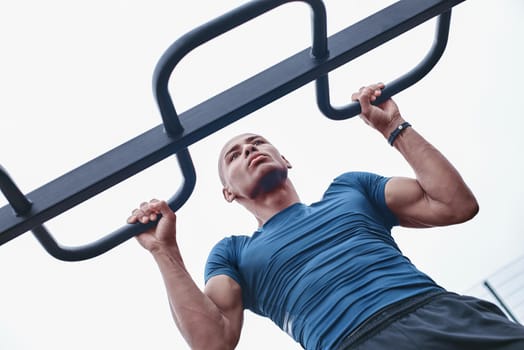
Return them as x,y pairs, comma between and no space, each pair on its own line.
248,149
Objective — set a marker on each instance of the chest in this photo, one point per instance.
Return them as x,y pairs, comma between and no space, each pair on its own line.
295,243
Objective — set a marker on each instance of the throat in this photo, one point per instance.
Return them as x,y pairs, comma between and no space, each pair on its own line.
271,184
267,204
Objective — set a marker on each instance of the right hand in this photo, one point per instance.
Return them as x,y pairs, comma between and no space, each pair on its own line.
384,117
163,235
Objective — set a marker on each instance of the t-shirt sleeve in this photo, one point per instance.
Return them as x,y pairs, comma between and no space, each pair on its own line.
374,187
222,260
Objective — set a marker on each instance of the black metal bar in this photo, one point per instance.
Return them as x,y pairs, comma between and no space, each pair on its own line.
217,112
210,30
124,233
501,302
12,193
394,87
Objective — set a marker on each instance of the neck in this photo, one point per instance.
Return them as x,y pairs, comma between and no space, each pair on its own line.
267,204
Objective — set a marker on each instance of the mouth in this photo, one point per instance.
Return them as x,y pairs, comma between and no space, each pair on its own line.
256,159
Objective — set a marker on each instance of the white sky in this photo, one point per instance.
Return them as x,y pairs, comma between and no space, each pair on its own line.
75,81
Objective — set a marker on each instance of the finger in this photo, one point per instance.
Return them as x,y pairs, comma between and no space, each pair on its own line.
365,99
376,86
153,206
138,216
144,213
150,209
134,216
144,219
165,210
355,95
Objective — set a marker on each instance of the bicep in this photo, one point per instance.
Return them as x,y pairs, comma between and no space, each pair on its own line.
226,294
412,206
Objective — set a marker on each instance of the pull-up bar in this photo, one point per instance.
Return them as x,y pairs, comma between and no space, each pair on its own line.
176,133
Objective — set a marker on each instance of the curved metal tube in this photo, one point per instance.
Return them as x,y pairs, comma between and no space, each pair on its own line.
126,232
214,28
18,201
394,87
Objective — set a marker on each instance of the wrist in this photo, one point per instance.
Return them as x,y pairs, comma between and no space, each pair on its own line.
163,250
392,126
396,133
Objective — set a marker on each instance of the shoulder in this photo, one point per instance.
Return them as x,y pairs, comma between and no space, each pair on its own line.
230,243
360,179
224,258
370,185
229,249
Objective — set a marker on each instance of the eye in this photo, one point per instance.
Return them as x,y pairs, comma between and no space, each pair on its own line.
233,156
258,142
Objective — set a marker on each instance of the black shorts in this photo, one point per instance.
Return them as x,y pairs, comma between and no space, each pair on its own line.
441,321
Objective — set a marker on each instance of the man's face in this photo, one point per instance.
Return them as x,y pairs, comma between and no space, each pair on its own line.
248,165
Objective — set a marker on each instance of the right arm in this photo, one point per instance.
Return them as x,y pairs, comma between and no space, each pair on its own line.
207,320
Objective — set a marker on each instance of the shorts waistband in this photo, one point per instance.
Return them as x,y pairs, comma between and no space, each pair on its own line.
387,315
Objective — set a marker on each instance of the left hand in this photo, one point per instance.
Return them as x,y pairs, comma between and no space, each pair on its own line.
384,117
163,235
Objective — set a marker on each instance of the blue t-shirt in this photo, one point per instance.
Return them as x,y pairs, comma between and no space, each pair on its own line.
320,270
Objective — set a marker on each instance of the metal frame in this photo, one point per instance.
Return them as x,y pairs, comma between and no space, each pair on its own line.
177,133
500,301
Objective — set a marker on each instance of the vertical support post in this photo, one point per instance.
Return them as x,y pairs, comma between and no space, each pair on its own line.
500,301
19,202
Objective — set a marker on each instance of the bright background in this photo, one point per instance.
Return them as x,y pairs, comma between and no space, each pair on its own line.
75,81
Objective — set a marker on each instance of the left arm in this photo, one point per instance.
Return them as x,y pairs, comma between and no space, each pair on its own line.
438,195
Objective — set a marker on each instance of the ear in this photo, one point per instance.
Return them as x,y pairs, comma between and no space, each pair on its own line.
228,195
288,164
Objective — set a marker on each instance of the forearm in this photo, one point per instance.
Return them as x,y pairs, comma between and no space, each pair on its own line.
438,195
199,320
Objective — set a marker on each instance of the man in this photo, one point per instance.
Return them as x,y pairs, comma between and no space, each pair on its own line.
329,273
